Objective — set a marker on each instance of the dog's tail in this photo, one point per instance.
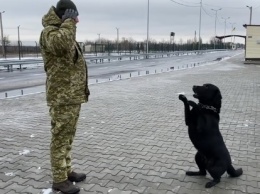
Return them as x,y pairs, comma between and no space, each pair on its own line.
233,172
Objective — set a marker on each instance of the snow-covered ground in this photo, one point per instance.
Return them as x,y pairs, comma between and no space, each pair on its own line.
152,70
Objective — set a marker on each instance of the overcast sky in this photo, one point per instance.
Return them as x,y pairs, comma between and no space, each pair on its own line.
130,16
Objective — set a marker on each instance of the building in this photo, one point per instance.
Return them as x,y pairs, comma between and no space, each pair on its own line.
252,51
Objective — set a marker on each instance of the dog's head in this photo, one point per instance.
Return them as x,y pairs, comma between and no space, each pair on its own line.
208,94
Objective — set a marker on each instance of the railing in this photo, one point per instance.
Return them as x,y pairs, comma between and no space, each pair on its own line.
10,64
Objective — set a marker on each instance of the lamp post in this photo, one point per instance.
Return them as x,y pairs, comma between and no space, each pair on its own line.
99,38
117,41
200,24
36,48
251,10
147,41
19,49
2,33
216,10
232,29
225,30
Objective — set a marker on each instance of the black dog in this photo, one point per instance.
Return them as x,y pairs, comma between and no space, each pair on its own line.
203,127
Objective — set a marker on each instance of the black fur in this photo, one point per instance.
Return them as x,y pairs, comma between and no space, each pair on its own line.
203,127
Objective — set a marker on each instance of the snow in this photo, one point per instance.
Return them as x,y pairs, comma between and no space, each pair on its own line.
9,174
24,152
162,69
47,191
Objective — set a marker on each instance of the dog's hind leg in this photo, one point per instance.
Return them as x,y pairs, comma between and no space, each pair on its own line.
233,172
216,171
201,162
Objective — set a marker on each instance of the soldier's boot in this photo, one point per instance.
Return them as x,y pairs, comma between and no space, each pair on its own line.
66,187
76,177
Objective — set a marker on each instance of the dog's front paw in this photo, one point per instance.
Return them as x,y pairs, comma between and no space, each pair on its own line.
191,103
183,98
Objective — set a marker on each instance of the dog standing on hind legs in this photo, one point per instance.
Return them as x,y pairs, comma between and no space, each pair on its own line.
203,127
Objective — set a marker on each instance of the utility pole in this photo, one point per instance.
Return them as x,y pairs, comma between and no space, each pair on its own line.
147,41
19,42
200,25
225,30
251,10
2,34
216,10
232,29
99,38
117,42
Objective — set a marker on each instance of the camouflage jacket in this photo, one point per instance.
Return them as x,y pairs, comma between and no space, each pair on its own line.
64,64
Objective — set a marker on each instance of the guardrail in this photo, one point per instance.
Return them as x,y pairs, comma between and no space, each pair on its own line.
9,64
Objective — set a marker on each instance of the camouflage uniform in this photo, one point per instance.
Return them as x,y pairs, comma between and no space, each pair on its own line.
66,87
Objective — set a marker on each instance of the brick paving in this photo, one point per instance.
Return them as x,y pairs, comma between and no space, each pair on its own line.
132,138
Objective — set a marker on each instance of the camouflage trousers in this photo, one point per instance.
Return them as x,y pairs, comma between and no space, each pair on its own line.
63,128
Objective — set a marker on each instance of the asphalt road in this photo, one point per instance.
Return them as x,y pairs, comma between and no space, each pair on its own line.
36,77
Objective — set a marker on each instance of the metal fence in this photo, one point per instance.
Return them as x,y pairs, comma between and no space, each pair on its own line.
23,49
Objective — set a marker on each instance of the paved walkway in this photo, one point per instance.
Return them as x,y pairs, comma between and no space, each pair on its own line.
132,138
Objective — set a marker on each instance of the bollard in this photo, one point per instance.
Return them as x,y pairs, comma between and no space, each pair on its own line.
155,71
138,72
22,92
96,81
6,94
120,76
130,75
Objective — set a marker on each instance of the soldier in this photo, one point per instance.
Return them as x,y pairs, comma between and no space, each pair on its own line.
66,89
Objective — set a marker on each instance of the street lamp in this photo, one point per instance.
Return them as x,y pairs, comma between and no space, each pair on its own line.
147,41
200,24
251,9
232,29
117,29
216,10
225,30
99,38
2,33
19,49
